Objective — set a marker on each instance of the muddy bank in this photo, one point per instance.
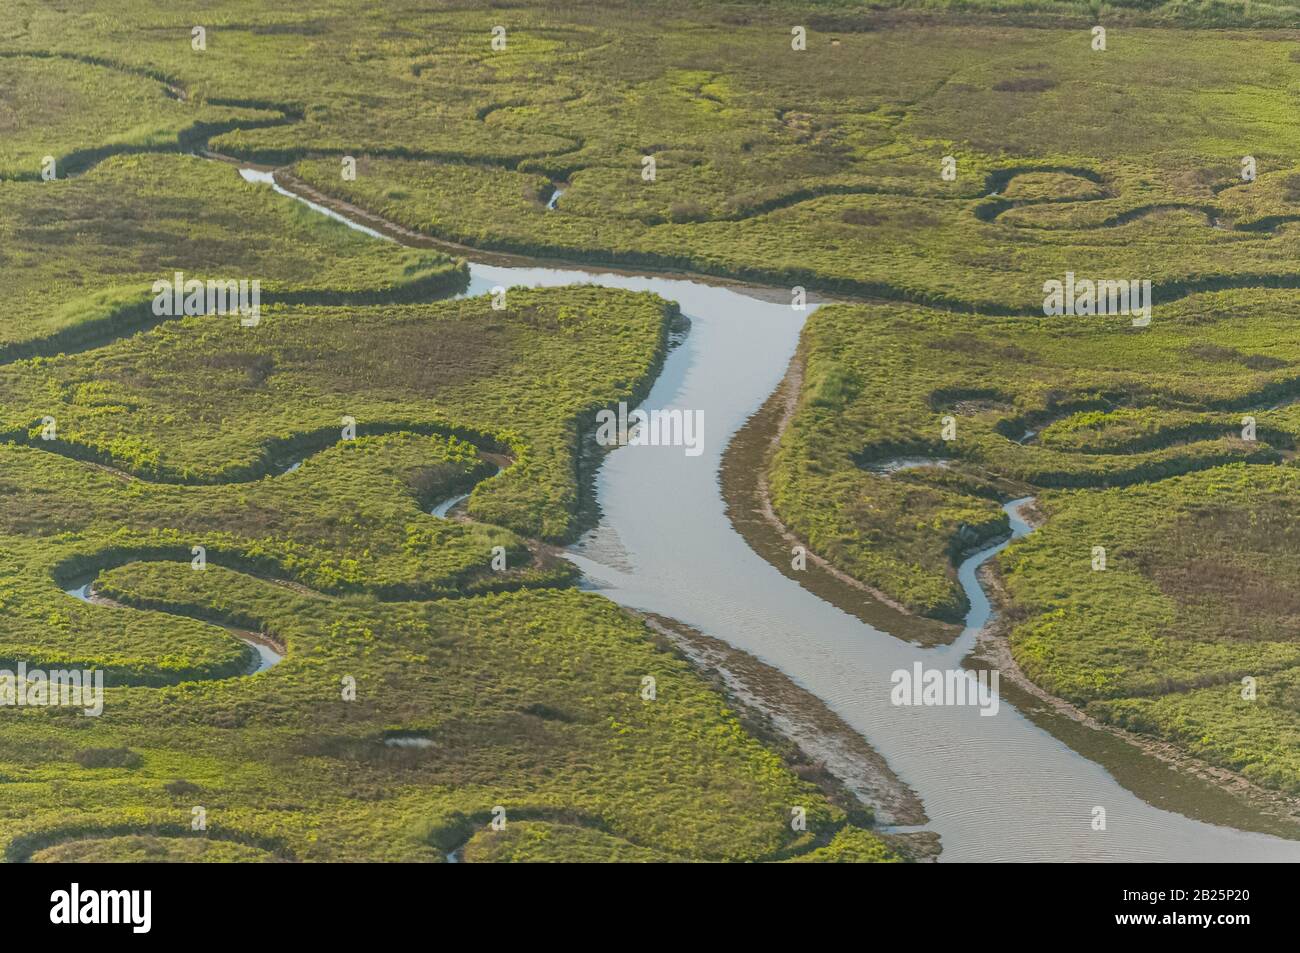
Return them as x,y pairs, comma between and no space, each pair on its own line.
749,506
819,746
994,788
371,222
1158,771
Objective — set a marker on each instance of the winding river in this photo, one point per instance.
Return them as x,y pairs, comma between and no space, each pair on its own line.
998,788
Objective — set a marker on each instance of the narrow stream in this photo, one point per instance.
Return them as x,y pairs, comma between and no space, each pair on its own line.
996,788
443,508
267,654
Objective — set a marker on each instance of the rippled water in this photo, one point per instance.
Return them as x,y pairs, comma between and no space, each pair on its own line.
996,788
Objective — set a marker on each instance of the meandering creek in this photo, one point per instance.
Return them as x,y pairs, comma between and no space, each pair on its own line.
267,653
997,788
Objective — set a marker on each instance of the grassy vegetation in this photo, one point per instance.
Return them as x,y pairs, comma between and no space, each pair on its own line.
1196,597
814,167
176,433
529,700
819,168
1132,439
528,696
351,518
205,400
80,257
823,168
152,849
1102,403
54,106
